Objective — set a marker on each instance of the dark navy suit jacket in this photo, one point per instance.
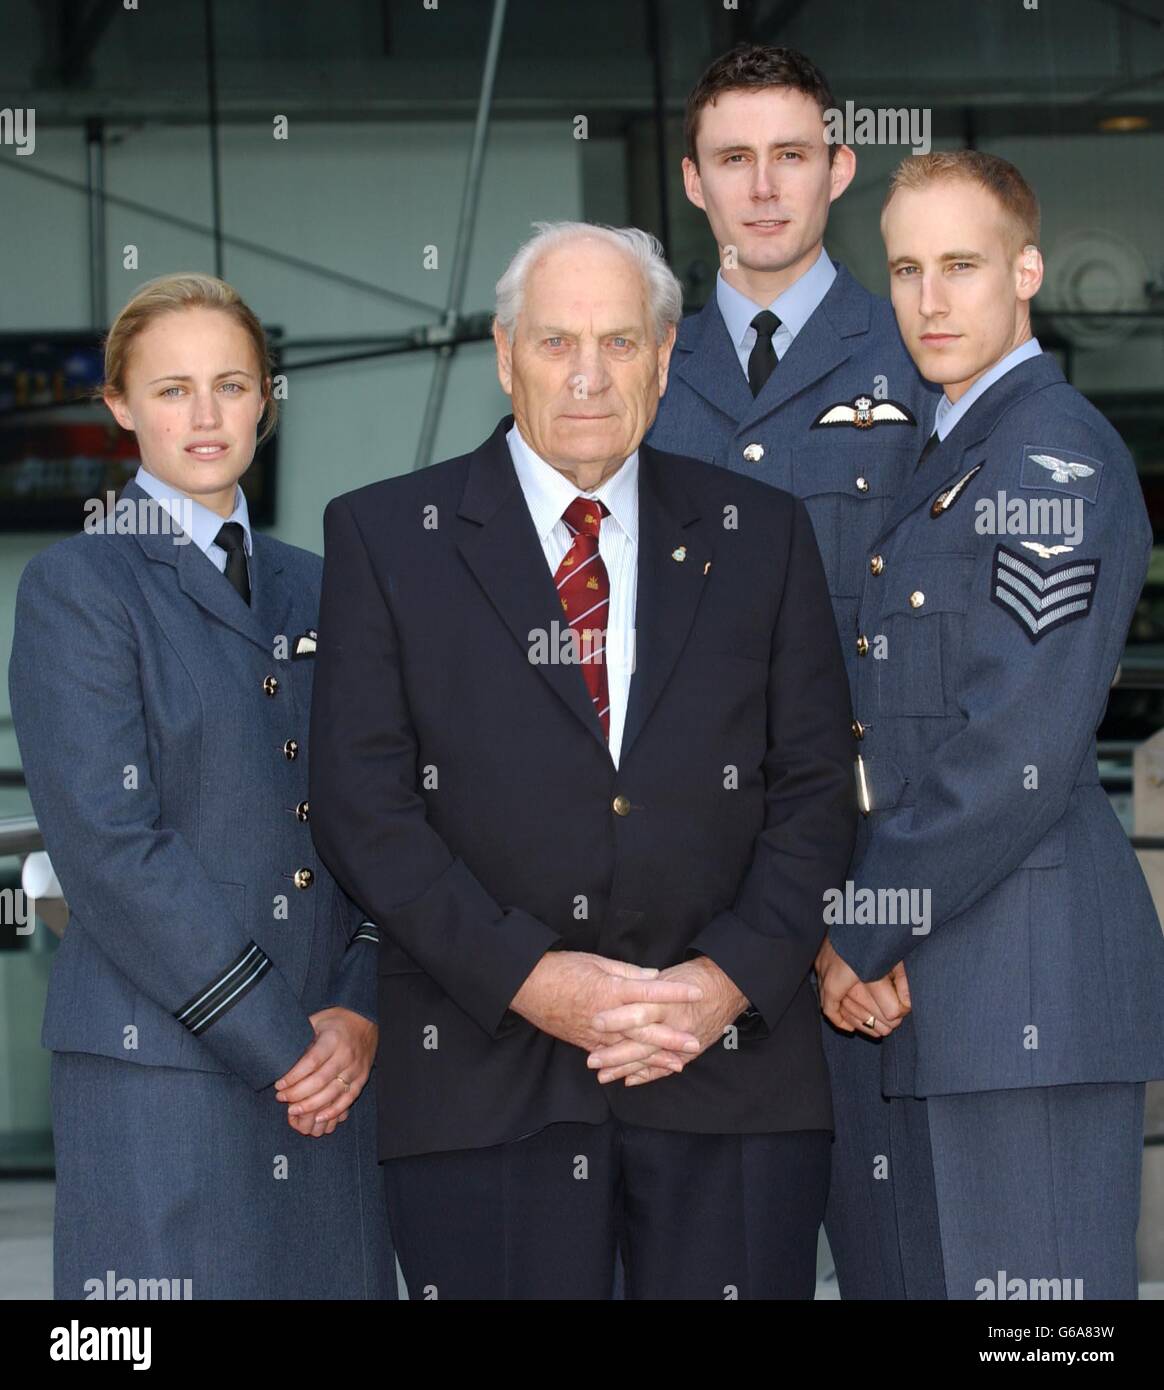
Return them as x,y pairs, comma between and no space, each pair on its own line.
467,799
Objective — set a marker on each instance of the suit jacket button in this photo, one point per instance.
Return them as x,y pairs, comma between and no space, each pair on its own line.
622,806
858,729
862,645
876,564
916,599
270,685
862,485
301,811
290,750
753,452
304,878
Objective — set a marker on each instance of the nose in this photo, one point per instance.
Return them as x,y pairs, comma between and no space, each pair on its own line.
764,183
589,375
933,299
205,409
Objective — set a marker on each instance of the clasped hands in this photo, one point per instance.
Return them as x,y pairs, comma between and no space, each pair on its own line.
636,1023
875,1007
321,1088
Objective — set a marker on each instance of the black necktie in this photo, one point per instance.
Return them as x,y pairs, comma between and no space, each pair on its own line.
762,361
931,444
232,539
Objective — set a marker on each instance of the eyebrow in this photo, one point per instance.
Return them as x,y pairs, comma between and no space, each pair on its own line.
945,256
175,376
772,145
550,329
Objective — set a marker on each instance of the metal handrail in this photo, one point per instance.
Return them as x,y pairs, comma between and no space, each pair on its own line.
20,835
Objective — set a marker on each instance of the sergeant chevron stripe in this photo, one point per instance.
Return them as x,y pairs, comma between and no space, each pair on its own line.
368,931
222,994
1041,601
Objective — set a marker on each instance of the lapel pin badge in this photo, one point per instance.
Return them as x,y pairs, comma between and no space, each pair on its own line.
679,553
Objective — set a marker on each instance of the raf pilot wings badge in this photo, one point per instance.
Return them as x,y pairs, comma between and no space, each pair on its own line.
863,413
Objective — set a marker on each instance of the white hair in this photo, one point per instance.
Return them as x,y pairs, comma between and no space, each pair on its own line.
664,292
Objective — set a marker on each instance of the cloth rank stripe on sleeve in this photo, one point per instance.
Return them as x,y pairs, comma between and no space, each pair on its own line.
222,994
367,931
1039,602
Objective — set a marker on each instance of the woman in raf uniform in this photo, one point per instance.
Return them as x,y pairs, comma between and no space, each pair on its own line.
211,1010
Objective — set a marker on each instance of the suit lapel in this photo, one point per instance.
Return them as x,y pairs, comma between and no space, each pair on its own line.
502,549
672,553
201,581
708,363
951,459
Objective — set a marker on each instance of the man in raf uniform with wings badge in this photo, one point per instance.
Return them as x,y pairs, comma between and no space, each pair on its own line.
1030,961
793,373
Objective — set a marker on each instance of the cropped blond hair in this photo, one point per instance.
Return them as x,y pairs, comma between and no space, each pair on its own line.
186,290
990,171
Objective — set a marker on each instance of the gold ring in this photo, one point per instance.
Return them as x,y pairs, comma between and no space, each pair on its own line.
346,1082
869,1021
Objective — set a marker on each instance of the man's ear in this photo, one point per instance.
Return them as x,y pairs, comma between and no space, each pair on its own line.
844,167
1029,272
692,184
504,358
665,348
118,409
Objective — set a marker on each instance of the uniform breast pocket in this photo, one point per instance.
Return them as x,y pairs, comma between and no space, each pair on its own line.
922,616
847,486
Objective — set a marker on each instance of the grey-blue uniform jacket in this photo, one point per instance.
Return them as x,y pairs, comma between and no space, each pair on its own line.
163,732
986,661
848,470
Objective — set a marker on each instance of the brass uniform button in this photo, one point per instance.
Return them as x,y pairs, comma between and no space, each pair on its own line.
290,750
621,805
270,685
754,452
862,645
862,485
301,811
304,878
876,564
858,729
916,599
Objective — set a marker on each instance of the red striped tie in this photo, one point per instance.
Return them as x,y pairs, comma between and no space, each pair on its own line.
584,590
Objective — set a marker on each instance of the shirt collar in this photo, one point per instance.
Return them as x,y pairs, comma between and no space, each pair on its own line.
205,524
793,306
950,412
548,492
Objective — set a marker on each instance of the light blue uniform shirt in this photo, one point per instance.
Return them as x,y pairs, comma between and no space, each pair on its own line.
950,412
204,524
794,307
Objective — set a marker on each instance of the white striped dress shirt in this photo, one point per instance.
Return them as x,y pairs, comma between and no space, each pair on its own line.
547,495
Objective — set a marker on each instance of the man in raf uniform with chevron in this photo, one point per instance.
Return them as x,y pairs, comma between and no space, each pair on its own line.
794,374
1034,988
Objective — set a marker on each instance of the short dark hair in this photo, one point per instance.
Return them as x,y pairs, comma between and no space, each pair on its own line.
752,66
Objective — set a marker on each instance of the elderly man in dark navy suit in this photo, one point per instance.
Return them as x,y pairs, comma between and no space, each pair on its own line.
794,374
584,754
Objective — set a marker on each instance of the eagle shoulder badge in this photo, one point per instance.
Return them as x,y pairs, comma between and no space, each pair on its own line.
1040,600
863,413
1061,470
